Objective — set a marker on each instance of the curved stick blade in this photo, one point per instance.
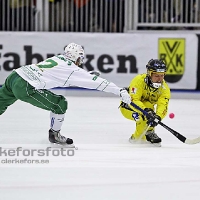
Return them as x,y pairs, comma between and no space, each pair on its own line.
193,141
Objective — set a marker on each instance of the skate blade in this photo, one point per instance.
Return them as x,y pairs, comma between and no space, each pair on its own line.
137,141
70,146
155,144
144,142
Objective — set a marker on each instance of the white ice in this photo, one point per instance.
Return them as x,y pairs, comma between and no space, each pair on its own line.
105,166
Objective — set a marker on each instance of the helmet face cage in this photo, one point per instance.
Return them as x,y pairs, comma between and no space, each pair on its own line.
155,66
75,53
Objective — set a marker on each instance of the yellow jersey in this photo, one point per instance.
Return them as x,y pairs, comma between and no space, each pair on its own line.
142,95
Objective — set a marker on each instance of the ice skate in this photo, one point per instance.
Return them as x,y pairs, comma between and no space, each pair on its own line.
152,137
133,140
56,138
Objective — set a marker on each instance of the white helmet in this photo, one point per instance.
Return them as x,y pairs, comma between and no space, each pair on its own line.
75,53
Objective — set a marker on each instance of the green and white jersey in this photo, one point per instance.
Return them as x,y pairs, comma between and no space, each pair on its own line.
57,71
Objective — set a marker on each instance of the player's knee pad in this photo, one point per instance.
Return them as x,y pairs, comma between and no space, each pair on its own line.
61,106
126,113
132,115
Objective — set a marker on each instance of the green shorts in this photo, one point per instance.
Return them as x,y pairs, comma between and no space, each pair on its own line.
16,88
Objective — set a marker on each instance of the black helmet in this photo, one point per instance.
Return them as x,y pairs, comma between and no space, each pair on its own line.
156,66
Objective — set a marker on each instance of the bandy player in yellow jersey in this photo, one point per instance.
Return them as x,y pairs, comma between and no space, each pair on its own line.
150,92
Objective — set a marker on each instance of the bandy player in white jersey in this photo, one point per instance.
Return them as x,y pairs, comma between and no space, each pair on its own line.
31,84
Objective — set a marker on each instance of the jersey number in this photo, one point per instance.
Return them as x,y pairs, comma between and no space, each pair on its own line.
49,63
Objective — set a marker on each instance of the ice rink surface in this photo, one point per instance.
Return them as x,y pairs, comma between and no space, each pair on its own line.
105,166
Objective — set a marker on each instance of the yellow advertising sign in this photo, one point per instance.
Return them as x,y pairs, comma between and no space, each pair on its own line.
172,52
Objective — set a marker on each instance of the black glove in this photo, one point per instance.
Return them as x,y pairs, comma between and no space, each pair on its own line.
151,117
